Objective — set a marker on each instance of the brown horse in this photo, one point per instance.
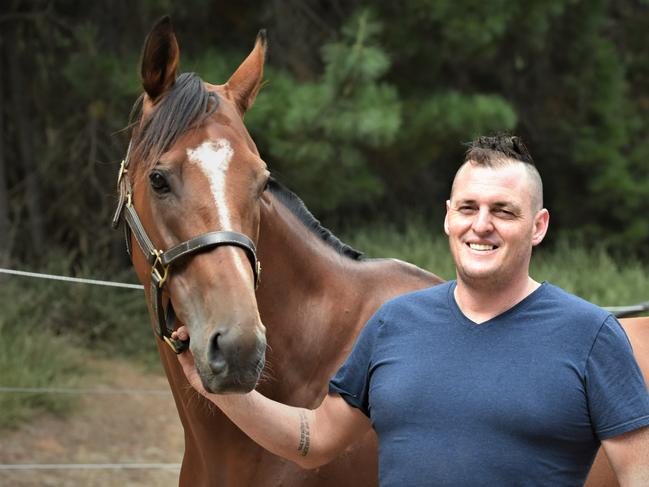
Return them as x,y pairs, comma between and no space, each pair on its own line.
195,186
194,170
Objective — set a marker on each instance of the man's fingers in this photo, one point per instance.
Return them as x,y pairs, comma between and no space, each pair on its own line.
180,334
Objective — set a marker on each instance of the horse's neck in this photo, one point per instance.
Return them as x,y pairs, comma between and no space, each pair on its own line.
305,302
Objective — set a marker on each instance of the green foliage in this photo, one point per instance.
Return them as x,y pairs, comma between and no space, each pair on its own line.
562,73
456,116
318,133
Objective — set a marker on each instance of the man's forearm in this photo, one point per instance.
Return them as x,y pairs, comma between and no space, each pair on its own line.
307,437
284,430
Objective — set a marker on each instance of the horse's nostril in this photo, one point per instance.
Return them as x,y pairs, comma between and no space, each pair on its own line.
214,342
215,355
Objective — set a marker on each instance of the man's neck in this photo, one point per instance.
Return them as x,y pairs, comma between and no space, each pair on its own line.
482,303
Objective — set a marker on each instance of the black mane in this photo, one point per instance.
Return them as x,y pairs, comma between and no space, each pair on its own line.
184,106
299,209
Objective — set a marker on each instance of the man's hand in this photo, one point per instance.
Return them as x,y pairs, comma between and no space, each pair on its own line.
186,360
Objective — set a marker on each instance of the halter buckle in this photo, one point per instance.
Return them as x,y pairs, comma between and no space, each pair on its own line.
258,272
159,272
122,170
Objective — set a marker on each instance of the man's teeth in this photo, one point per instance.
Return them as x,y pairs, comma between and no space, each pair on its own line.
476,246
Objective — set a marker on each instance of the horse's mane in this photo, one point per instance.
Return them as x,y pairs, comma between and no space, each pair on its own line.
299,209
184,106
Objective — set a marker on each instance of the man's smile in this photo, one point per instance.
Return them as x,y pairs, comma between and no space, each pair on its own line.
481,247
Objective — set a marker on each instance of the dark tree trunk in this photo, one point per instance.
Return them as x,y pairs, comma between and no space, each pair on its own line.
25,145
5,233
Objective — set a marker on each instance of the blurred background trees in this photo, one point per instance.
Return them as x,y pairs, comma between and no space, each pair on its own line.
364,114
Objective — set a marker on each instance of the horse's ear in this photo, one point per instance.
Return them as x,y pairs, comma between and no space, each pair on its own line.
244,84
160,57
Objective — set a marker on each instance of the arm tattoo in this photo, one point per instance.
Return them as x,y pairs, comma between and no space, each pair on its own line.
305,436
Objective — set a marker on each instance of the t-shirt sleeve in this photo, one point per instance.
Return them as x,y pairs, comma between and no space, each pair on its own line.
352,381
617,394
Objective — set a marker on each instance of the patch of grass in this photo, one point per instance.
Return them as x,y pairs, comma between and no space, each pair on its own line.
35,360
417,243
592,273
49,328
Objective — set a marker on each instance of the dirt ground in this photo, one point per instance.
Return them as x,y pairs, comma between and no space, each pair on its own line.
105,429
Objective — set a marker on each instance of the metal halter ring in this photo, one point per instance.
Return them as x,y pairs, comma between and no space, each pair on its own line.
159,277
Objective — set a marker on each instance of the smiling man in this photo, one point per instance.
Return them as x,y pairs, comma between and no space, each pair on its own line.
490,379
493,219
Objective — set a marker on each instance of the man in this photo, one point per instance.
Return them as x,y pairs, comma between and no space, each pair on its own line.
492,379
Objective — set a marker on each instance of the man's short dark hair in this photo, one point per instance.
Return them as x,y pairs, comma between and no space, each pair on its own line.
487,150
500,150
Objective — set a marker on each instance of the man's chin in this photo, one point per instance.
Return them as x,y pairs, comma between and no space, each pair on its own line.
480,278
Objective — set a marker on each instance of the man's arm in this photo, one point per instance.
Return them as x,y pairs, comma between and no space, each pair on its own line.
629,456
307,437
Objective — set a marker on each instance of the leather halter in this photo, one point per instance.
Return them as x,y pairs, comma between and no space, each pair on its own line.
161,261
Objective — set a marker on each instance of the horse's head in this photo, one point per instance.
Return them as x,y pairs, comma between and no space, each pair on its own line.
194,170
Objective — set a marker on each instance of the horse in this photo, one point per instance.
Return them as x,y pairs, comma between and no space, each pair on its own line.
194,183
193,179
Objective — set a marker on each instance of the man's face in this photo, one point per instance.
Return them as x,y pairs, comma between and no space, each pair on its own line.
492,224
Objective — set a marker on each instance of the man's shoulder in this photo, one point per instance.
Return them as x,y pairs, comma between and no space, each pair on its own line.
421,300
567,304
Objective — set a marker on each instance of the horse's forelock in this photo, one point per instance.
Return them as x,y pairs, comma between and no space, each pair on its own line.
184,106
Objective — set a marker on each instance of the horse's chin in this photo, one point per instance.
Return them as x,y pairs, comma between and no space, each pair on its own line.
235,382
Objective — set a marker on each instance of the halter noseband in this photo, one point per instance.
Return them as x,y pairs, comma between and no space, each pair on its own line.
160,261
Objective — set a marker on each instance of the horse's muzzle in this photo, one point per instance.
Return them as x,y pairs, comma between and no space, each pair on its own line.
233,363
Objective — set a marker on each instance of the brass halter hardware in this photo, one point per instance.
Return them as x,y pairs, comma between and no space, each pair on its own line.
157,266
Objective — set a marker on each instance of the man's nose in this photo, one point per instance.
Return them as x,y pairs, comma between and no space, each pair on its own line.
482,223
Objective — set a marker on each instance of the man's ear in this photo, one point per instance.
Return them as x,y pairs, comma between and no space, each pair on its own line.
448,207
541,224
160,58
244,84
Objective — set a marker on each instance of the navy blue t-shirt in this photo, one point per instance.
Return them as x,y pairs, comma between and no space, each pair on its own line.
522,399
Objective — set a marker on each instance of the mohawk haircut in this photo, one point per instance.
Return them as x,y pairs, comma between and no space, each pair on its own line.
488,149
502,149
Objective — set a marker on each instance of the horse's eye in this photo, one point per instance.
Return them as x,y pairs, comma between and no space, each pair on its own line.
158,182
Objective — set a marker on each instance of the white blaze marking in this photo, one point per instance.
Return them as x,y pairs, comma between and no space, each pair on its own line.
214,160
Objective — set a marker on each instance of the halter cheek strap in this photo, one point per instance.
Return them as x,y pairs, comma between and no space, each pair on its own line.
161,261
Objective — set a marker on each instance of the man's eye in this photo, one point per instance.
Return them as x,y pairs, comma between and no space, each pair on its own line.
159,182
